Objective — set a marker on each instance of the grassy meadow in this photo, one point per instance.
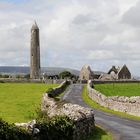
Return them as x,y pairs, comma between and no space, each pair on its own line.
19,101
119,89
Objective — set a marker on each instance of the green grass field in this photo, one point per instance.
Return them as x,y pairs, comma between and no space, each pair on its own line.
19,101
131,89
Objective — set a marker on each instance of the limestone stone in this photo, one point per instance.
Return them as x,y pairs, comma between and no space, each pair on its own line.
74,111
108,77
29,126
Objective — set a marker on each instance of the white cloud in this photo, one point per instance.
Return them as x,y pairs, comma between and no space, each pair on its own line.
72,33
100,55
131,17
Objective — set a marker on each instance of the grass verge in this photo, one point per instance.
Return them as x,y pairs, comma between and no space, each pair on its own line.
95,105
100,134
58,98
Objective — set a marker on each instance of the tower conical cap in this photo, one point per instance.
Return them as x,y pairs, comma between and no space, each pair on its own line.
34,26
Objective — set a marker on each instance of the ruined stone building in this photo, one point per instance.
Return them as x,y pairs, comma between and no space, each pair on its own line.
86,73
113,70
35,53
108,77
124,73
113,74
120,73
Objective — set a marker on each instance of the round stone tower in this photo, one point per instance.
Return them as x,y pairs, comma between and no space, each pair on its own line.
35,53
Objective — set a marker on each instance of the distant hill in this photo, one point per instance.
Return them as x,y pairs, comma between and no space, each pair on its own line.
57,70
47,70
26,70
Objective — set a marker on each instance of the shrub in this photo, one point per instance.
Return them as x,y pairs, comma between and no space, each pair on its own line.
65,74
5,76
27,76
50,92
57,91
55,128
11,132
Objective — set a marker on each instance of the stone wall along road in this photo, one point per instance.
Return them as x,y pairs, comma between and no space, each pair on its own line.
130,105
121,128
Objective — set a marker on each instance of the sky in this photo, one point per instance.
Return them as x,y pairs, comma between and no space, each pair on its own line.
100,33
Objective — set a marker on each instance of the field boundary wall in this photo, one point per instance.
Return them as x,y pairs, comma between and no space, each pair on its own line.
130,105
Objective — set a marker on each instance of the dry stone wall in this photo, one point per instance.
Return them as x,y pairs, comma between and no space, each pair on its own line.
130,105
58,90
83,118
16,80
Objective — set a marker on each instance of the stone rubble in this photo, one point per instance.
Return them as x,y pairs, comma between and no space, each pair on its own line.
29,126
74,111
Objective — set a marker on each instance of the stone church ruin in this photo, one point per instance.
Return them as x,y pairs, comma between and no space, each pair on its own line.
113,74
86,73
120,73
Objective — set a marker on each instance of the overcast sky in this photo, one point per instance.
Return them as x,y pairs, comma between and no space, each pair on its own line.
100,33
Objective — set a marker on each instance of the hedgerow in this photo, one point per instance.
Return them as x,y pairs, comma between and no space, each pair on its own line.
11,132
55,128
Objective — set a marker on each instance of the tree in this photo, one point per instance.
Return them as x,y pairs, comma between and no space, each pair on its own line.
18,76
6,76
27,76
65,74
